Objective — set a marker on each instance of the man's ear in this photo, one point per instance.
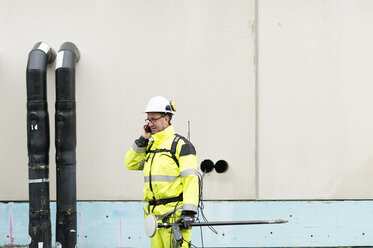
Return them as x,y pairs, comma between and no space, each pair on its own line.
167,118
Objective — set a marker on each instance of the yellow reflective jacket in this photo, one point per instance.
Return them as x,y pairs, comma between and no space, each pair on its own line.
164,178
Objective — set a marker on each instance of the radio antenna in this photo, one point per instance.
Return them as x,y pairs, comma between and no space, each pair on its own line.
189,130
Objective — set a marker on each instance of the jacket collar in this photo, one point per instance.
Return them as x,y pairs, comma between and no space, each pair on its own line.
164,135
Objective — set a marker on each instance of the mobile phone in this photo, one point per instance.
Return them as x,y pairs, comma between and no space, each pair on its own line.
148,129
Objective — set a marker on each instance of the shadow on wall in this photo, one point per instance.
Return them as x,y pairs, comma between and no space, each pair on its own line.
352,187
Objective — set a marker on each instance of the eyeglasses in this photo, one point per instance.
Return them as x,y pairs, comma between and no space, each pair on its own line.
153,120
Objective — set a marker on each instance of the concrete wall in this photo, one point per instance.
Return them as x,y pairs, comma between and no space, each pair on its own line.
285,102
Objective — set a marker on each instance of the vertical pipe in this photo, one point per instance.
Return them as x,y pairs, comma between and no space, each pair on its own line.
38,144
65,141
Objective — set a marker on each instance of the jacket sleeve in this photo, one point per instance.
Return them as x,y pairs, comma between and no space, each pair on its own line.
135,157
189,175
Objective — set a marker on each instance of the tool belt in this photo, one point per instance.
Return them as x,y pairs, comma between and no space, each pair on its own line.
165,201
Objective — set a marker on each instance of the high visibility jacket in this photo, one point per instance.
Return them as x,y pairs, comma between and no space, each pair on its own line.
166,177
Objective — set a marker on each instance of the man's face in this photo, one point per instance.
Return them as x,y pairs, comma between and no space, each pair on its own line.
158,122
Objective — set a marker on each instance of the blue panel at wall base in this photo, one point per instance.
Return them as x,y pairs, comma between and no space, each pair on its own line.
120,224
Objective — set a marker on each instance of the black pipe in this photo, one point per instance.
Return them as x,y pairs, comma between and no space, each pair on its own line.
228,223
65,141
207,166
221,166
38,144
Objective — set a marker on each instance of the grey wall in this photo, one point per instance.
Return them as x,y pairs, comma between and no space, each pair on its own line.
285,102
315,96
197,53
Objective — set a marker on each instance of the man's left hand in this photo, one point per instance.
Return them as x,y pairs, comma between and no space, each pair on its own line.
186,219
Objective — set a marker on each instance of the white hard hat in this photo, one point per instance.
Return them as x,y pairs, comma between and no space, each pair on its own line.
161,105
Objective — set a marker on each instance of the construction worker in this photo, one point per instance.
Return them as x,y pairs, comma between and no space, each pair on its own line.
169,164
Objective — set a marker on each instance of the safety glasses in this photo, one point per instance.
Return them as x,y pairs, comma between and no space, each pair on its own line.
153,120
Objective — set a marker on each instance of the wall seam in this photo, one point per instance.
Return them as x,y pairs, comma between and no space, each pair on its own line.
256,63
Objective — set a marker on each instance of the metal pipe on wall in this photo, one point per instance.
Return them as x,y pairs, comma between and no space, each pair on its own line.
65,141
38,144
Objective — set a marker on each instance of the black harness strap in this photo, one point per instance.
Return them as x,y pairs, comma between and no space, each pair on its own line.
173,148
150,181
167,200
172,151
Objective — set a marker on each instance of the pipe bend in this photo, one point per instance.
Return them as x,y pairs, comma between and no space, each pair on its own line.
40,55
67,56
48,50
71,47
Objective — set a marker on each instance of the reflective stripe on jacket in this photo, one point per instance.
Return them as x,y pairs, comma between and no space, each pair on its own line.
163,177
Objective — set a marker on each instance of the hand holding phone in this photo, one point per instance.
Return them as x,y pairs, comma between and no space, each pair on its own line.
148,129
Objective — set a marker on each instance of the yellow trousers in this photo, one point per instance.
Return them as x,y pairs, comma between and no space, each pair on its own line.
163,236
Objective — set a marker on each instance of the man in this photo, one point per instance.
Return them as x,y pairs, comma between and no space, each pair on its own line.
169,164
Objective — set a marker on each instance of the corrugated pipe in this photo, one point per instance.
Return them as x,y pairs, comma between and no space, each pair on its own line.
65,141
38,144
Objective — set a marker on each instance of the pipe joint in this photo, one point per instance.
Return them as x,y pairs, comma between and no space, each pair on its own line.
67,56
